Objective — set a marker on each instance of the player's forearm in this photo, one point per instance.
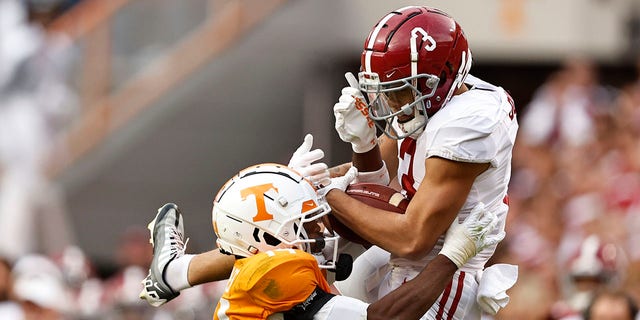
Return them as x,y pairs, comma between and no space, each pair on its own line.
412,299
210,266
388,230
368,161
339,170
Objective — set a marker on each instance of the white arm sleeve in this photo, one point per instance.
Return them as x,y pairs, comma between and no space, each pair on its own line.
341,307
369,269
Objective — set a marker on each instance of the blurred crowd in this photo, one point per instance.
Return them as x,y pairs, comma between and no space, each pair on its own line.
573,229
43,276
35,104
574,216
68,286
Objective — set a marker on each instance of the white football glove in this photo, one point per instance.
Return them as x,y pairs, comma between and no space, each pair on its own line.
463,241
352,118
339,182
301,161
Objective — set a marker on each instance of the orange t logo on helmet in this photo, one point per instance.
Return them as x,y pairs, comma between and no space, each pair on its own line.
258,193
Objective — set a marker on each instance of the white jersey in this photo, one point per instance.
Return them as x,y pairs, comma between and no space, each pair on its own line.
477,126
338,308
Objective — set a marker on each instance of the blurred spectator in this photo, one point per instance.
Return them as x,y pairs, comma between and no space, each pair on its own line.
561,110
5,279
612,305
595,266
121,301
86,289
35,104
38,291
633,29
133,255
627,121
45,11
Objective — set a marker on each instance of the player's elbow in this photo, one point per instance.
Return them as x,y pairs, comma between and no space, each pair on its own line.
416,244
411,254
413,249
375,312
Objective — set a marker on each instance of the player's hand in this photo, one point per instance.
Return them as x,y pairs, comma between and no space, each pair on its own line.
463,241
352,118
339,182
302,162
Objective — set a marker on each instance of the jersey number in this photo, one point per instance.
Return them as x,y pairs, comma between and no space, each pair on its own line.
407,153
512,113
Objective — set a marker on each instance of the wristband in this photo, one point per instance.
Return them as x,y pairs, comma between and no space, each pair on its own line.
458,249
380,176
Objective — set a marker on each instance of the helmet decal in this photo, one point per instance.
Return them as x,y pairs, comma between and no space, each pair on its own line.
308,205
374,35
259,193
431,45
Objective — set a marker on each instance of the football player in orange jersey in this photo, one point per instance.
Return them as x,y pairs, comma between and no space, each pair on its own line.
268,218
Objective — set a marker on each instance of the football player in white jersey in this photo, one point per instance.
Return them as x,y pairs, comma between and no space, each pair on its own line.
448,140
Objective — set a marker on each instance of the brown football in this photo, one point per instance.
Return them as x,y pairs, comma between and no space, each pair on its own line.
376,195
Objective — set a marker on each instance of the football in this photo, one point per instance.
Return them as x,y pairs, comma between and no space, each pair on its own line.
376,195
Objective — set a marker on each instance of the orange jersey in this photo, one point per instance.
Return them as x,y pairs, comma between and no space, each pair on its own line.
269,282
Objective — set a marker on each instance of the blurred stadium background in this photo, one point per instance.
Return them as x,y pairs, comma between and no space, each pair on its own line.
111,108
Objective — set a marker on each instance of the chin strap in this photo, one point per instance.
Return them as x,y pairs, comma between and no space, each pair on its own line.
415,125
344,266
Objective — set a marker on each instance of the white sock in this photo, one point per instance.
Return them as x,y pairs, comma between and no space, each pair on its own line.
177,273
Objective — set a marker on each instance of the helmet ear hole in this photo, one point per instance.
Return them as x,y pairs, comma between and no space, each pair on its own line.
301,235
295,228
449,67
443,79
271,240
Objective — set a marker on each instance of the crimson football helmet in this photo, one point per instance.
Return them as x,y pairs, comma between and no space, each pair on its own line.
418,50
597,264
265,207
597,259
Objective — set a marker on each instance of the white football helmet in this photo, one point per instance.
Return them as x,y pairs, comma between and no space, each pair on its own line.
265,207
